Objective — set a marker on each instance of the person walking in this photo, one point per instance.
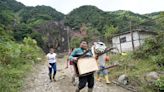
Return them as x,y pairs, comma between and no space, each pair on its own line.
51,57
88,78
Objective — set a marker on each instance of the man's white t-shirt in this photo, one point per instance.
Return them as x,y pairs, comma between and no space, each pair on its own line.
51,57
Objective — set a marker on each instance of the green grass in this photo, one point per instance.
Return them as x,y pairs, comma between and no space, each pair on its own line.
11,76
136,69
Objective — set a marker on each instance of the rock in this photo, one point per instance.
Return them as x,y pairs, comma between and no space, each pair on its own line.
123,79
152,76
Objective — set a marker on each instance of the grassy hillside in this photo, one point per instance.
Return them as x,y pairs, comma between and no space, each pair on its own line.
97,18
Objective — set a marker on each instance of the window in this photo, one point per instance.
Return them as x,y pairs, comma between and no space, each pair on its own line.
123,39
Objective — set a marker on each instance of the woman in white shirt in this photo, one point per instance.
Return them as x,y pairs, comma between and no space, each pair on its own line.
51,56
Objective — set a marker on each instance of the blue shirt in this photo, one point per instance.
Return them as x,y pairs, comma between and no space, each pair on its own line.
78,52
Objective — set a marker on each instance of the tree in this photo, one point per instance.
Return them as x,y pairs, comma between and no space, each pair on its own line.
109,32
91,33
6,17
75,42
21,31
160,21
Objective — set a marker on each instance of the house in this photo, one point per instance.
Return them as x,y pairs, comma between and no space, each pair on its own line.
130,40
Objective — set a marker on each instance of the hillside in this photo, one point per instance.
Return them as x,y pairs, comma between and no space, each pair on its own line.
29,15
39,14
153,15
23,20
99,19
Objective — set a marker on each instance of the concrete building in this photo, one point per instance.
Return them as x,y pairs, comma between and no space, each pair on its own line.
123,41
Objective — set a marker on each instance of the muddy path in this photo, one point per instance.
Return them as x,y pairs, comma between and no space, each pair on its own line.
38,81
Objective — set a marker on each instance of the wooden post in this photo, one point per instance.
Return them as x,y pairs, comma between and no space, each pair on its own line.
131,36
120,45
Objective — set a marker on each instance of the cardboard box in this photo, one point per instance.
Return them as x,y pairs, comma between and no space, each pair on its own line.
87,65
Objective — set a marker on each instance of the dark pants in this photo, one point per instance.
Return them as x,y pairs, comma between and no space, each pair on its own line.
53,67
83,80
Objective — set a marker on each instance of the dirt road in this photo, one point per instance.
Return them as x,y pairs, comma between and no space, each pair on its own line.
38,81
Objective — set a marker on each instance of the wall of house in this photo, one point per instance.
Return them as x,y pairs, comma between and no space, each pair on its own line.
126,46
138,39
116,43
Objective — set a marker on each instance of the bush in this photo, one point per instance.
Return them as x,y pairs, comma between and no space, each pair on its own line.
152,48
9,50
30,50
15,60
160,83
158,59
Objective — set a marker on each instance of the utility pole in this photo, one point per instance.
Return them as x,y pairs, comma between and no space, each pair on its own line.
131,35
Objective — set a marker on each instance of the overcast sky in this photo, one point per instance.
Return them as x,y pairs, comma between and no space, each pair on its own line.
137,6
